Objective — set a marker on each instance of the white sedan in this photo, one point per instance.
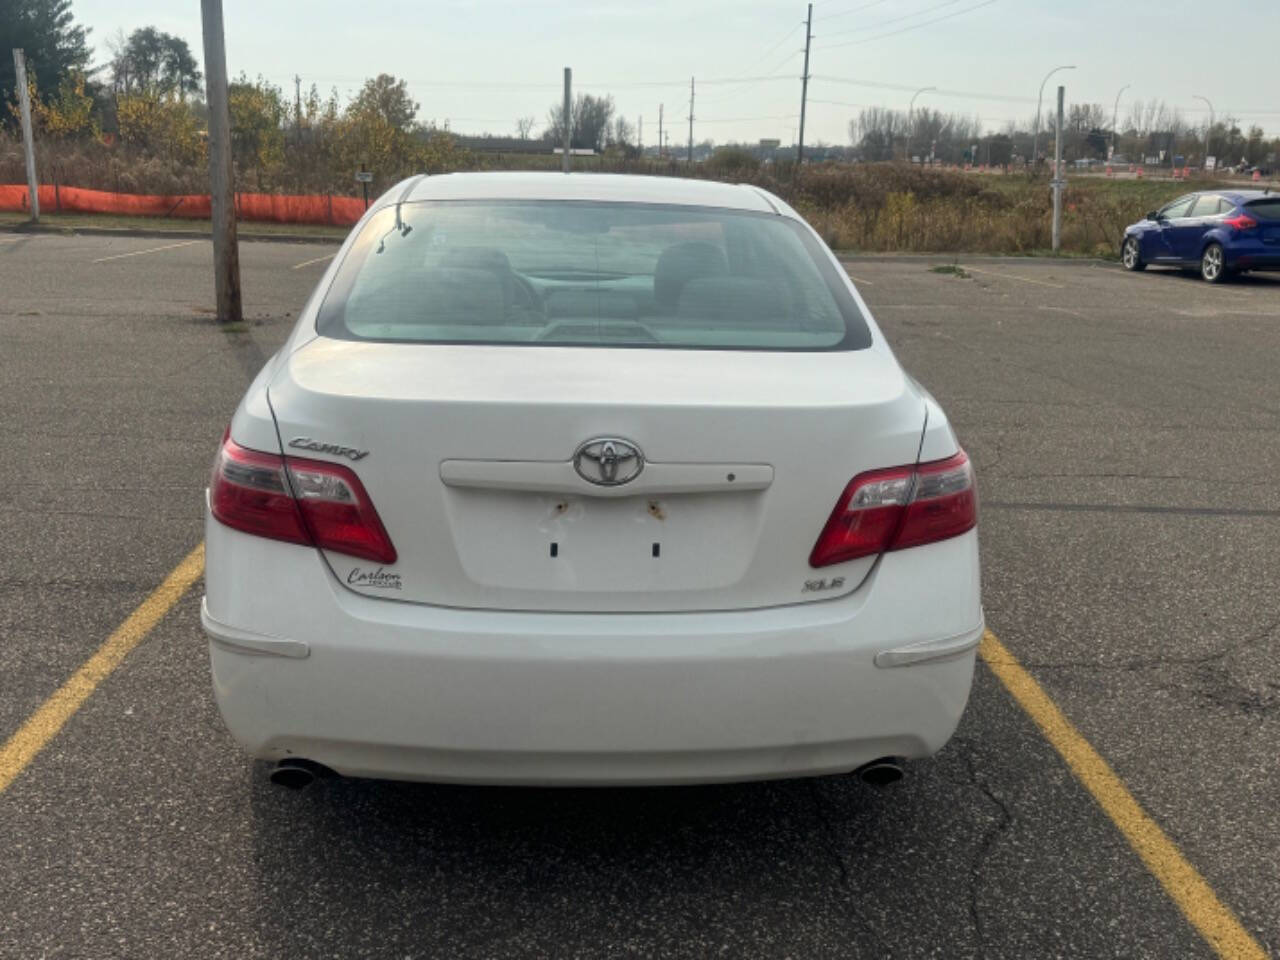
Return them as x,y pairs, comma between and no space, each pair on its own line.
589,479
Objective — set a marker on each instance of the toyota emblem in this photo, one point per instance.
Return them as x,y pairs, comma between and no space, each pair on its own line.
608,461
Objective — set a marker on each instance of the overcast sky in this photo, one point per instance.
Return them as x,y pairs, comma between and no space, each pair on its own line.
482,65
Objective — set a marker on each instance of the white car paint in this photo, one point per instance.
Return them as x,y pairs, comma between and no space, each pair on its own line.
477,657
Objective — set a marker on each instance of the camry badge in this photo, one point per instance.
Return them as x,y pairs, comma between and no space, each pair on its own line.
306,443
608,461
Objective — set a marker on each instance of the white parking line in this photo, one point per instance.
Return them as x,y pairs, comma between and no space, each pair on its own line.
138,253
1012,276
307,263
859,280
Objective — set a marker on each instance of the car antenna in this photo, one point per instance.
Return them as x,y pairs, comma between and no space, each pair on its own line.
402,228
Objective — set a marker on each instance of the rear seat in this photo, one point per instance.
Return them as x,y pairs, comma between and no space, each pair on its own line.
734,302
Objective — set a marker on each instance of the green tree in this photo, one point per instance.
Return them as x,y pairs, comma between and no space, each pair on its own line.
257,117
388,99
151,61
162,126
69,112
54,44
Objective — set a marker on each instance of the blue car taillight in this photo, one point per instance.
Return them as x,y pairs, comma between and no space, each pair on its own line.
1241,223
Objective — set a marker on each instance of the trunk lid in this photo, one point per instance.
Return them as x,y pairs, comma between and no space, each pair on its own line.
468,458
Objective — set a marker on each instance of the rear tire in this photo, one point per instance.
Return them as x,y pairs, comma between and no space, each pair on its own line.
1131,254
1213,264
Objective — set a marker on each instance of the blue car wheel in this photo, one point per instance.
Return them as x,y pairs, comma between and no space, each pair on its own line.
1131,254
1213,263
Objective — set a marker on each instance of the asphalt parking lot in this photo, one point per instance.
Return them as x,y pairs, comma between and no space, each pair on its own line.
1125,429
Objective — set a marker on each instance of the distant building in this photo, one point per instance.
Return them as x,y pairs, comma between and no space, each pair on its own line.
504,144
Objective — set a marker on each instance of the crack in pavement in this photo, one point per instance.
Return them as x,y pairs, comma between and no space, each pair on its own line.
829,843
985,847
1162,661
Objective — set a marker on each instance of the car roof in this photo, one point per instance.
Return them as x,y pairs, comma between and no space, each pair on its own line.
618,188
1238,196
1246,195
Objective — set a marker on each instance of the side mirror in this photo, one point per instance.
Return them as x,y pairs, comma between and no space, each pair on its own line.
1153,215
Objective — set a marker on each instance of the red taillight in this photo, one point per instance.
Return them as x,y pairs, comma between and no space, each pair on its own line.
316,503
898,508
1241,222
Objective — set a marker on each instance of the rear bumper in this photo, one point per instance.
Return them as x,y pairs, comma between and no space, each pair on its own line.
303,667
1252,255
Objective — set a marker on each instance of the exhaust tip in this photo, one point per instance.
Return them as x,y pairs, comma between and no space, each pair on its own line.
296,773
880,773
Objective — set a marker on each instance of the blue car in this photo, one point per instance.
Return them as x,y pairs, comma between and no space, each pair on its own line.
1220,231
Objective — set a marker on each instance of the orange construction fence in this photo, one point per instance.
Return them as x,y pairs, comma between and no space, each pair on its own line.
270,207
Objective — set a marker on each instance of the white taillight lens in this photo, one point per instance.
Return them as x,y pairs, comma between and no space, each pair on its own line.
898,508
249,491
944,504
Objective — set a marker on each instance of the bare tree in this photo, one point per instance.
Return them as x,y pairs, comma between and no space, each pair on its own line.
590,122
623,132
524,126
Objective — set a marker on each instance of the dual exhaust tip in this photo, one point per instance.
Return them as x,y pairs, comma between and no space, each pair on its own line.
296,773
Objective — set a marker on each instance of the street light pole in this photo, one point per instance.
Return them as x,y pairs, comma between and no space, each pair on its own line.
911,124
1115,119
1208,134
1035,142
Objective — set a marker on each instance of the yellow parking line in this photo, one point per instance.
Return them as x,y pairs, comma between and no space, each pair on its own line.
138,253
1181,881
307,263
1013,276
43,725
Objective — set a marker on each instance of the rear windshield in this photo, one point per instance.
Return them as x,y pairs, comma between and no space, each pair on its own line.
1268,209
591,274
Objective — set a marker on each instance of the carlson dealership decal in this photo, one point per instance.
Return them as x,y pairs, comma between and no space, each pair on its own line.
376,579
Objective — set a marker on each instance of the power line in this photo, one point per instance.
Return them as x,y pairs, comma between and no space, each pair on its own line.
885,23
784,61
872,106
518,84
785,37
781,116
917,26
907,88
735,90
847,13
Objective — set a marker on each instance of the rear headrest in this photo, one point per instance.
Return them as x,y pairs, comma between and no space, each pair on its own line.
483,258
735,302
460,295
681,263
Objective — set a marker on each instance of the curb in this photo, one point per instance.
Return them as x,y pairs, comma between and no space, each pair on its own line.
157,233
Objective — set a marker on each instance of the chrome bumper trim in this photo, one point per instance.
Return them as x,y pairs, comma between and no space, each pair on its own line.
247,642
930,650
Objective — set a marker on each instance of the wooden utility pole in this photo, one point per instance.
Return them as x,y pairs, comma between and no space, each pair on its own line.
297,108
1058,181
28,144
804,87
691,120
568,116
226,253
